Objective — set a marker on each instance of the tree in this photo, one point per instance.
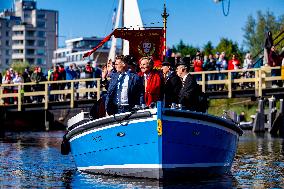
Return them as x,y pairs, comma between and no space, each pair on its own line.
256,28
229,47
20,66
208,48
184,49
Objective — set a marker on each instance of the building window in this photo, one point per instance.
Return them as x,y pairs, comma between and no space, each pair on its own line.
18,51
40,52
7,52
31,60
41,34
7,43
30,51
41,16
30,42
40,24
7,34
7,61
40,43
30,33
40,61
18,42
26,15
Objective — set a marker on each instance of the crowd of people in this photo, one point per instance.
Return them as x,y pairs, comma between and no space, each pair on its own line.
145,84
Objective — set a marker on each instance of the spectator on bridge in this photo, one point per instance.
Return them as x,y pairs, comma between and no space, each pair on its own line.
274,60
71,74
76,84
1,78
247,74
221,64
55,86
234,64
210,65
62,77
97,73
197,65
27,88
88,74
37,76
17,79
7,79
267,48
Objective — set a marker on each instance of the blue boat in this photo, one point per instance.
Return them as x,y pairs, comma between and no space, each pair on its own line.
158,143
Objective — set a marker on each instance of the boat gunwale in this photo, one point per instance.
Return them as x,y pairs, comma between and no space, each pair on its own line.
148,113
200,116
108,120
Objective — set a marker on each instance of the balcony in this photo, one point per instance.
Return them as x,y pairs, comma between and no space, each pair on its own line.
59,60
18,37
17,56
18,46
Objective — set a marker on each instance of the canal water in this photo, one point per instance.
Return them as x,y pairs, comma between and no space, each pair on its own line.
33,160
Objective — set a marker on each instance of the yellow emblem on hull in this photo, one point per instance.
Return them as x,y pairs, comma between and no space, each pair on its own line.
159,127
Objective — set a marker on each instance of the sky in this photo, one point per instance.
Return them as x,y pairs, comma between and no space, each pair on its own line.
194,21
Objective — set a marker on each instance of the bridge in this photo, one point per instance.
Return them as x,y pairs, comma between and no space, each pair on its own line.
260,82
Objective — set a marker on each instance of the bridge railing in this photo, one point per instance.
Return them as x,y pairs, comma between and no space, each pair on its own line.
258,78
44,89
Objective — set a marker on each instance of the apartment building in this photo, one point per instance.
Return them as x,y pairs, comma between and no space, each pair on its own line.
28,34
75,48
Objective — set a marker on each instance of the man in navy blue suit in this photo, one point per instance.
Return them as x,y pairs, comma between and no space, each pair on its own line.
125,89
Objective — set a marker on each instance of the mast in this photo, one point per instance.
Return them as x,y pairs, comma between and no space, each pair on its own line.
122,25
132,20
165,16
112,50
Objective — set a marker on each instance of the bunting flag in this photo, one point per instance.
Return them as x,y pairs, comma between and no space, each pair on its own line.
107,38
146,42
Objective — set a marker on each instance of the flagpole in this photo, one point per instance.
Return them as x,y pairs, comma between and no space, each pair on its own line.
165,16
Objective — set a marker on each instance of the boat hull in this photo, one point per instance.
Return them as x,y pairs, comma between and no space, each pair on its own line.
159,146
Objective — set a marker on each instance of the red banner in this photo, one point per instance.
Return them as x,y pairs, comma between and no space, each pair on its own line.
146,42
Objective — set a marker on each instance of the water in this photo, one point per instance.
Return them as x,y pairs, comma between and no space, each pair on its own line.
33,160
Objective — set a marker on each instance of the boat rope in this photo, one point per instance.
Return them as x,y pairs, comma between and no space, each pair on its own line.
228,8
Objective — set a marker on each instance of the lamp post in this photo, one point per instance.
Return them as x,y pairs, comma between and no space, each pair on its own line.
165,16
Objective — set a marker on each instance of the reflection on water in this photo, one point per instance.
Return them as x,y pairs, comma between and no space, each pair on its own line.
29,160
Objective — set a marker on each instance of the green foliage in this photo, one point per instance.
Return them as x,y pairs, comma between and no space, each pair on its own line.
20,66
184,49
256,28
208,48
230,48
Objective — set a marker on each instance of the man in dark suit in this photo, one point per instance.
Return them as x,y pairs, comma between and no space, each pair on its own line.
173,85
187,95
125,89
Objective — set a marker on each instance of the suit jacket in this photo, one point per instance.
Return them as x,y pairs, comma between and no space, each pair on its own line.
173,85
187,95
135,92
